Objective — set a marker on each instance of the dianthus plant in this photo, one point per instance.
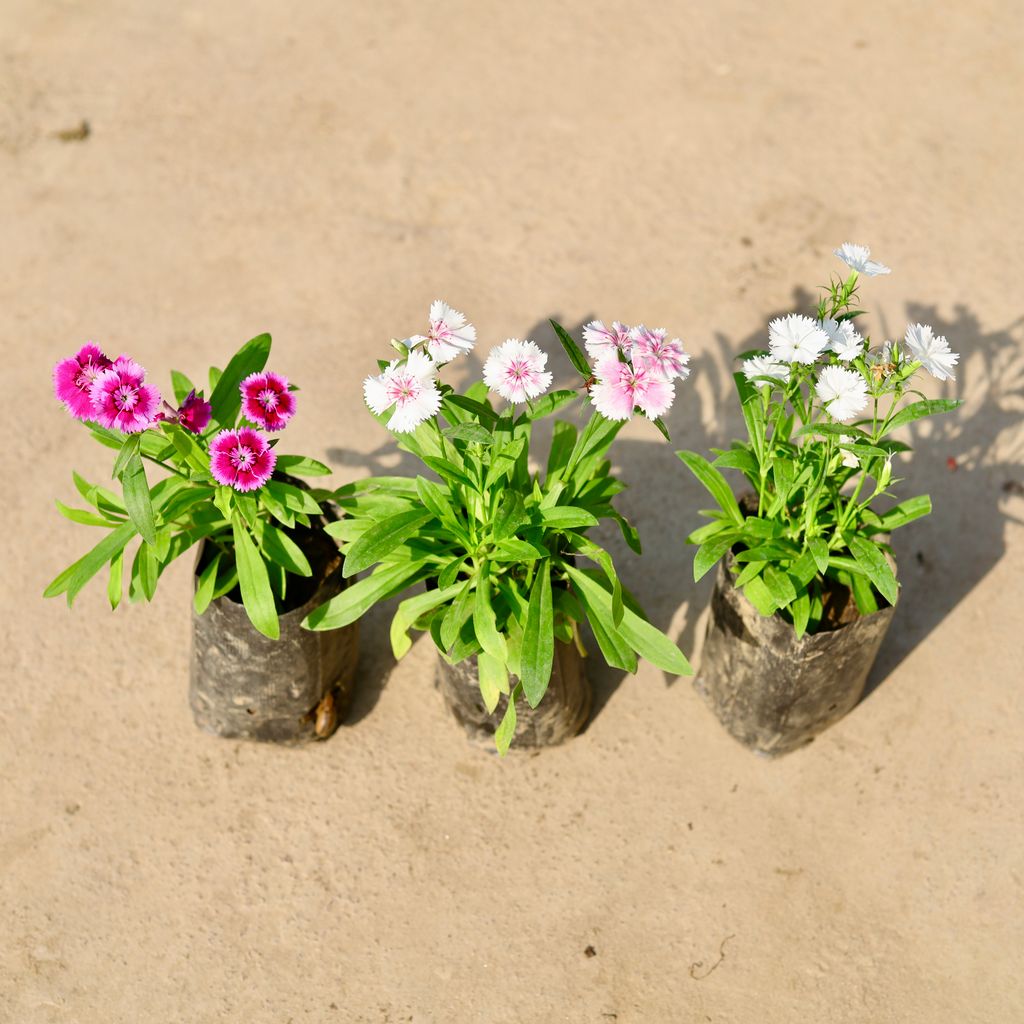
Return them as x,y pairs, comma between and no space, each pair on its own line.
501,546
222,481
820,408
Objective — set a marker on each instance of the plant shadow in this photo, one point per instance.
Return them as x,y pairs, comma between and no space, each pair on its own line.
941,558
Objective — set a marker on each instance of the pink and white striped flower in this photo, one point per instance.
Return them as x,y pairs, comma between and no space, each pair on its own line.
601,341
516,370
121,400
410,386
267,401
241,459
620,388
449,335
73,377
652,349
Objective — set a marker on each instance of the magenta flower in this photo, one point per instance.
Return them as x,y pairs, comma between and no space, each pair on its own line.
652,349
515,369
267,401
193,414
121,400
241,459
73,377
620,388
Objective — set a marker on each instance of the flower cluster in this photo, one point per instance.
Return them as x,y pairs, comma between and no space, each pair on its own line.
851,375
635,368
114,395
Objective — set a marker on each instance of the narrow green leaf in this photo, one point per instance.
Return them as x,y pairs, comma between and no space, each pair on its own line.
572,350
905,512
875,566
711,552
75,576
382,538
357,598
470,432
181,386
758,594
511,515
80,515
115,583
590,550
254,581
226,398
819,552
716,484
206,584
300,465
566,517
493,678
457,615
484,621
918,410
538,637
281,549
130,447
507,729
410,610
648,641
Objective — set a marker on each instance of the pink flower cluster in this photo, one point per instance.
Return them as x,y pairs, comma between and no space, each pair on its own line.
634,368
114,394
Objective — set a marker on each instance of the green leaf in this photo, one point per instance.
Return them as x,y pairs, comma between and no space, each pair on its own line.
300,465
254,581
905,512
511,549
918,410
382,538
819,552
507,729
801,612
546,405
457,615
470,432
410,610
181,386
758,594
662,429
648,641
226,398
566,517
590,550
357,598
877,569
75,576
80,515
716,484
144,574
281,549
224,501
538,637
511,515
448,471
484,620
563,440
572,350
450,572
493,678
711,552
780,586
190,449
206,584
292,497
129,448
435,500
115,584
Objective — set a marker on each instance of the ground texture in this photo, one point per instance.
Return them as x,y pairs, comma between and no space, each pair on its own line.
323,171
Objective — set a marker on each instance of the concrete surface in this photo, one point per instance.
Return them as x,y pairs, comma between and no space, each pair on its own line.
323,171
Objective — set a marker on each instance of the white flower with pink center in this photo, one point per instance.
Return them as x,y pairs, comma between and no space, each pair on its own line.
449,336
652,349
516,370
410,386
601,341
620,388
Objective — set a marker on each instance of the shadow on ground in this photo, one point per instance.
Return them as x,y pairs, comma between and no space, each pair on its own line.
970,461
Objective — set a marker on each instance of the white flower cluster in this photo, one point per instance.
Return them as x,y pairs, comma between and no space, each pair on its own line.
797,339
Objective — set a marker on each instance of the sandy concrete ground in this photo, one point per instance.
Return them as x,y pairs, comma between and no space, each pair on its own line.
323,171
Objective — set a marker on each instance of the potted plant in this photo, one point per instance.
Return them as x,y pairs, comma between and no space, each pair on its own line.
806,584
264,558
499,545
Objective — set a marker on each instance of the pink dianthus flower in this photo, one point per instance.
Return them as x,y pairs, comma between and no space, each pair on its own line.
241,459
